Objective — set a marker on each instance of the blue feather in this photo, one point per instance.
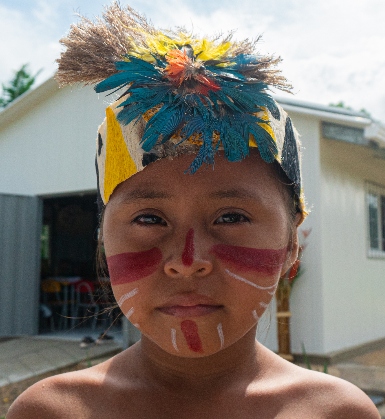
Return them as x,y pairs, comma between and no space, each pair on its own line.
117,80
205,153
228,111
156,128
193,125
266,145
227,73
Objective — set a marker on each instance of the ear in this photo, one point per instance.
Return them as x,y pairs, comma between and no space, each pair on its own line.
293,246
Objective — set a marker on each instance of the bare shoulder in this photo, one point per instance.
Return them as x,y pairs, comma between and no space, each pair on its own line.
58,397
309,394
333,397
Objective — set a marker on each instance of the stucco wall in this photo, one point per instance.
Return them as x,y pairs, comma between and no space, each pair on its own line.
307,295
50,149
354,284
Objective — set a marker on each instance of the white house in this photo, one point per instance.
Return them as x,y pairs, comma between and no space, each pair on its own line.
47,143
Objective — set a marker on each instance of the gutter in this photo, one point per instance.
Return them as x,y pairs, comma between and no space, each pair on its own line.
352,120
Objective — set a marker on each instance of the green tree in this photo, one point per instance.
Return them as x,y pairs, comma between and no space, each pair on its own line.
21,82
342,105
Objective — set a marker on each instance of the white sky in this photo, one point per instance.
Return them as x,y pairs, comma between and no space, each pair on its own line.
333,50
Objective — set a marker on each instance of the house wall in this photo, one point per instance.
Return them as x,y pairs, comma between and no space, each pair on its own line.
353,283
307,294
50,149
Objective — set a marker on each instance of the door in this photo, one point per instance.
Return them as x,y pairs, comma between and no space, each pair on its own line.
20,230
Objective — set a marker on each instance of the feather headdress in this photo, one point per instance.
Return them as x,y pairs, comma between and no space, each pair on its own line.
177,92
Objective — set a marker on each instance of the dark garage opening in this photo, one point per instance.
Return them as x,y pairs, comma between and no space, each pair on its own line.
72,297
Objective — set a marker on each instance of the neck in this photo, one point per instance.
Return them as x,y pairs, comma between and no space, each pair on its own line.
240,360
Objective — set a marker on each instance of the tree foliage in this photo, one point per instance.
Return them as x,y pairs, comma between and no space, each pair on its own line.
342,105
21,82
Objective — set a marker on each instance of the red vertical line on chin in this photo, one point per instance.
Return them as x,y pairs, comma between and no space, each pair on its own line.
190,331
265,261
128,267
188,251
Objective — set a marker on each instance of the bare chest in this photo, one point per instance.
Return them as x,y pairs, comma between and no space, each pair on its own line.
165,405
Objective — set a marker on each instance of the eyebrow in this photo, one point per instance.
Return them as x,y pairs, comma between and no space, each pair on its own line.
233,193
138,194
147,194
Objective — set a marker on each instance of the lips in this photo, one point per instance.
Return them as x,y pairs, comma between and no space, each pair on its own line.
189,311
189,305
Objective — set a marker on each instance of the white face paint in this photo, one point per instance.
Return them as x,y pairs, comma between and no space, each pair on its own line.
252,284
127,296
221,335
129,313
173,339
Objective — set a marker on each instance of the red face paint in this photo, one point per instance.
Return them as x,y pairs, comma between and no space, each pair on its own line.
188,251
265,261
190,331
128,267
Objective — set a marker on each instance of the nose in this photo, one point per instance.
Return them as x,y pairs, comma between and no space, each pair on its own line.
189,261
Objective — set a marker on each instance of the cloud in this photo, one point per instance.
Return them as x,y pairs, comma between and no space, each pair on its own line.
24,41
45,12
332,51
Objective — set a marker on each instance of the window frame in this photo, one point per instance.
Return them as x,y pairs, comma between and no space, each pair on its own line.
379,191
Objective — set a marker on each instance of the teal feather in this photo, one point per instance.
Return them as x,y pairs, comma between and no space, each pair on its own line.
227,110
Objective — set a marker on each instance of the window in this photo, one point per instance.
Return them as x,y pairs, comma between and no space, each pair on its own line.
375,200
44,242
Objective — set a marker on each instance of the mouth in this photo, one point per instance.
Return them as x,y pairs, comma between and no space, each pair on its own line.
189,305
189,311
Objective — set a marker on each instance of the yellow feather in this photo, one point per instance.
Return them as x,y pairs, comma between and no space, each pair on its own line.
208,50
265,125
161,44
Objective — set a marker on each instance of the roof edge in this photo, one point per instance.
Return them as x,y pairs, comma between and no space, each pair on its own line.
27,101
318,107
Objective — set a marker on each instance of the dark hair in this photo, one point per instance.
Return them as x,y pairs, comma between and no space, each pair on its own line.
288,187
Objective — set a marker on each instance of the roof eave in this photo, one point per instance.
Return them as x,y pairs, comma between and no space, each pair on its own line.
28,100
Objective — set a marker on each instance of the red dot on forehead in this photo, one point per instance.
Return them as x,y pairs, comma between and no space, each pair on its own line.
132,266
264,261
188,251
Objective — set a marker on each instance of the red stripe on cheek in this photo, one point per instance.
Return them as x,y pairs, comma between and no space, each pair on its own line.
188,251
128,267
265,261
190,332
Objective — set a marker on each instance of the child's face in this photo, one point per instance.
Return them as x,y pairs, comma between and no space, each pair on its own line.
194,260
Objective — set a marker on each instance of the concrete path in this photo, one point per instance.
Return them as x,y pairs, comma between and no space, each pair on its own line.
365,371
25,357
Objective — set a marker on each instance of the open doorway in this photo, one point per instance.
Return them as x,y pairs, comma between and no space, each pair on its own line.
73,301
69,236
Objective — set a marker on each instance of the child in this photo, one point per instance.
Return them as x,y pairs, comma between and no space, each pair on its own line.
199,180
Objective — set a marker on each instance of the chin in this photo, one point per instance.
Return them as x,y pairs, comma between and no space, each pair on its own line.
192,338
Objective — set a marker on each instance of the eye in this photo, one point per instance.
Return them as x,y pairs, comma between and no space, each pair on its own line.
231,218
149,219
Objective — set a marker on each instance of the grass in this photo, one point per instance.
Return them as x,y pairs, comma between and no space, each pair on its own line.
307,362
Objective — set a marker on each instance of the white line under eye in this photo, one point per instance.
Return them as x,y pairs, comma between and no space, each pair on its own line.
231,218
